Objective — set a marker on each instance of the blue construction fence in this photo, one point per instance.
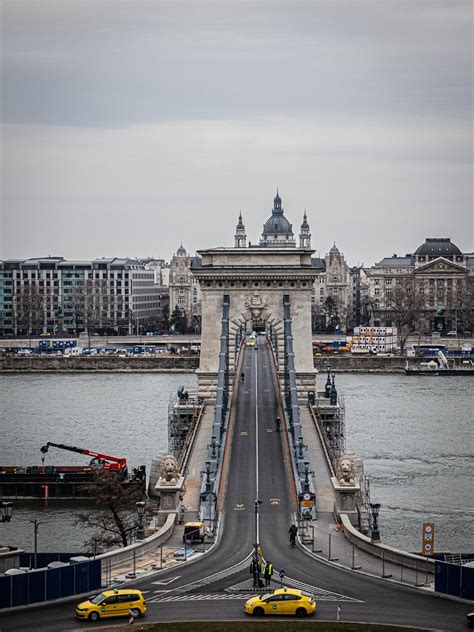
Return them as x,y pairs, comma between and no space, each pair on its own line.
45,584
454,579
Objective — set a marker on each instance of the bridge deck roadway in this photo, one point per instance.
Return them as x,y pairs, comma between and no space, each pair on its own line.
257,469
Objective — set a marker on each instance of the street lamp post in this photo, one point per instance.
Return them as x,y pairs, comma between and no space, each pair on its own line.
140,505
256,571
375,532
36,523
7,510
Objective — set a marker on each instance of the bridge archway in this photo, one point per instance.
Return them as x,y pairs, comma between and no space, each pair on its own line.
256,280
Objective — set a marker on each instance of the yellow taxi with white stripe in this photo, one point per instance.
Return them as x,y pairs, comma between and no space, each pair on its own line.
112,603
282,601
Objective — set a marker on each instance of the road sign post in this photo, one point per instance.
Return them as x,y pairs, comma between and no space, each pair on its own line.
427,541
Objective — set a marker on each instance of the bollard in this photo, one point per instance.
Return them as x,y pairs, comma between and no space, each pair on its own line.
354,566
330,557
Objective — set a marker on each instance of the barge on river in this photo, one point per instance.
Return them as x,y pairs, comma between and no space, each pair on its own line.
65,481
56,481
441,366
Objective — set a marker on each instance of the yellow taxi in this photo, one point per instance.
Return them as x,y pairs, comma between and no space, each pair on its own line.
112,603
281,601
250,343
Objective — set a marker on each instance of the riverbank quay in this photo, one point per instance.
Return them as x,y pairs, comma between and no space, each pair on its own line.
173,363
99,364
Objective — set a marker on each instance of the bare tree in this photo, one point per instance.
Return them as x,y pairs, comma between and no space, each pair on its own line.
461,305
115,520
405,304
29,309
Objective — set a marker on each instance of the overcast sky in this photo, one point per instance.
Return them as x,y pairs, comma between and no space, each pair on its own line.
130,127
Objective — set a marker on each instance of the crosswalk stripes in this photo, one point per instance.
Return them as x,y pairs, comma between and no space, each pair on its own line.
199,597
319,593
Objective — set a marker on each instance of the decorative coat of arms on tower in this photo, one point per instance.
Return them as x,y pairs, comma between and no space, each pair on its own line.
256,305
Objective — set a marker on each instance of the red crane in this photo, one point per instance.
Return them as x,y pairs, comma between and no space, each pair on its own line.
98,461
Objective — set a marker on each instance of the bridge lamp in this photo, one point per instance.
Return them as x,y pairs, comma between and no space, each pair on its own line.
7,510
375,510
140,505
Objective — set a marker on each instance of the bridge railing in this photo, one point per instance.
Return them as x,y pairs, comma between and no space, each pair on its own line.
212,473
299,452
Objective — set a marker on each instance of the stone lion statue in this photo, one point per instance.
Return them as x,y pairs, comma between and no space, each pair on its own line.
169,472
346,472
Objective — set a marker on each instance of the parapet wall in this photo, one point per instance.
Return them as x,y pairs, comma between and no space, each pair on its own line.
383,551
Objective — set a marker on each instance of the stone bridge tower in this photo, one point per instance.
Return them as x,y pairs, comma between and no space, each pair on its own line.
256,279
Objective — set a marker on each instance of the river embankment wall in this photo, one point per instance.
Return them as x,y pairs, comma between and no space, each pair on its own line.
99,364
184,364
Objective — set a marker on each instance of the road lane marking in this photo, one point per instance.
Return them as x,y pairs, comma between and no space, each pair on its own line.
165,582
226,572
274,501
239,508
244,433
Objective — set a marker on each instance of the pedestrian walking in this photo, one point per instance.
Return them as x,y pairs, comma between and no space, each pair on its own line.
338,613
267,573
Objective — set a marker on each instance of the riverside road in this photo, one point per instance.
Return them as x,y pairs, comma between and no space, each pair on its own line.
211,587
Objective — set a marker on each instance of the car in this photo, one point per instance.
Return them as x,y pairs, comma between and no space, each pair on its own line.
112,603
452,333
193,532
470,619
47,334
250,343
282,601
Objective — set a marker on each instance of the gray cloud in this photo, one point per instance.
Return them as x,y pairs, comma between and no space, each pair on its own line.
130,126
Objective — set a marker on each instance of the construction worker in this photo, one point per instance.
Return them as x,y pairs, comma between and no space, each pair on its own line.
267,573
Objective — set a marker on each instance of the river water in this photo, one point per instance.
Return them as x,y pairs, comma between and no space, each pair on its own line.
414,434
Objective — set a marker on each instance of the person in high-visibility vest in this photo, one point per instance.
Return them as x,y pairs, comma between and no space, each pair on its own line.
267,573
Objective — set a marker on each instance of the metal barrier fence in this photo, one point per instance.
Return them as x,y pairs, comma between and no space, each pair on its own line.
334,547
47,584
454,579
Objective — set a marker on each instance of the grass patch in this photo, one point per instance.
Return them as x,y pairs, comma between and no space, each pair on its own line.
264,626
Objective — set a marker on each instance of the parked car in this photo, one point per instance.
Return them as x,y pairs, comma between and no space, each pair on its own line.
452,333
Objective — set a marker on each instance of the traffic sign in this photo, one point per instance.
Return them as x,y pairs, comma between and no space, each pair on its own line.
282,574
427,543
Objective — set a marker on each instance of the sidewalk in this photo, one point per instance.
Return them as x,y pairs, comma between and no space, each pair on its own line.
321,537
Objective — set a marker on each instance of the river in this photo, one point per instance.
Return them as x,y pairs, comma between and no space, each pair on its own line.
414,434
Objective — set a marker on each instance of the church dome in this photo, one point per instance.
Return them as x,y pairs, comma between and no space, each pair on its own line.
277,225
438,247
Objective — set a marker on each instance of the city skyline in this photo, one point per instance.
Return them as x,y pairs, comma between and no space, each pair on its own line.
129,131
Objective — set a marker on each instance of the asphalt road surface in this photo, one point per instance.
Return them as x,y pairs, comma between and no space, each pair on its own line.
199,589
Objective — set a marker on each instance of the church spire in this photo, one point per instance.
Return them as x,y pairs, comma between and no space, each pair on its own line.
240,236
305,235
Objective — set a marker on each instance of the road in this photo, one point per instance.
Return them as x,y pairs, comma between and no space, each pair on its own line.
257,470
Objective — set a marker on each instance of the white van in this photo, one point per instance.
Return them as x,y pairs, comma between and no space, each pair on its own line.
72,352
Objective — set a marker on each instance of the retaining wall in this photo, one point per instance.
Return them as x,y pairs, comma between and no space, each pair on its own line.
165,363
383,551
